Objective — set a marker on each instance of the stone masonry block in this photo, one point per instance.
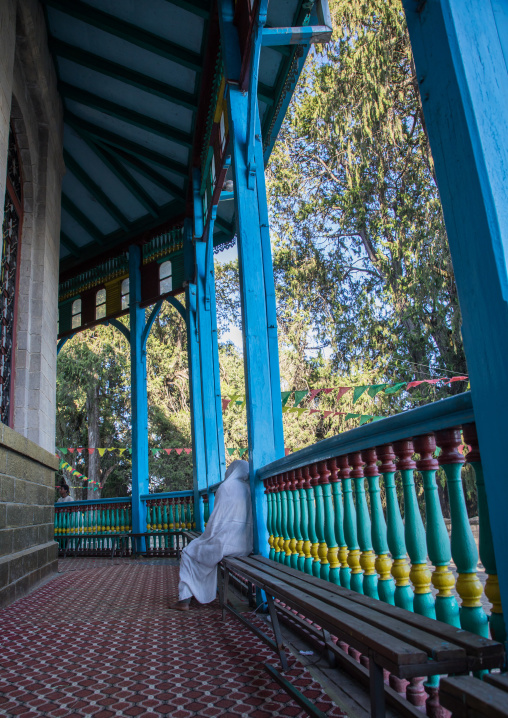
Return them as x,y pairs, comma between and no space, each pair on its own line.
6,488
6,539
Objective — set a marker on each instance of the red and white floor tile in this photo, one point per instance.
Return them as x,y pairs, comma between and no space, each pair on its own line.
99,641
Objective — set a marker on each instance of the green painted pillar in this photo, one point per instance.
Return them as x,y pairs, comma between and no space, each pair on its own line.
311,521
330,570
300,556
438,542
279,540
269,516
383,563
367,558
350,528
487,556
285,554
305,562
414,533
403,596
338,527
291,484
465,554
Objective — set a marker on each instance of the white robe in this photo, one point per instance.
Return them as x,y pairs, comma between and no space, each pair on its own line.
228,533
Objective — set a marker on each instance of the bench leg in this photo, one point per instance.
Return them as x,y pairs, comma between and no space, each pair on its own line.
278,635
330,655
377,689
225,589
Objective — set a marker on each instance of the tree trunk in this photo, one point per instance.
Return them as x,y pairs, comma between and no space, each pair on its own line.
92,409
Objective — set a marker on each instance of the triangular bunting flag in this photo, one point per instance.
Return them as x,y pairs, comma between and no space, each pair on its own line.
358,391
230,451
63,451
377,418
242,451
187,451
79,450
71,451
376,388
326,414
313,394
287,452
225,404
284,395
154,452
90,451
396,387
435,381
413,384
121,451
178,451
130,450
458,378
365,418
168,451
351,416
339,413
329,391
300,395
113,449
101,452
314,411
342,390
286,408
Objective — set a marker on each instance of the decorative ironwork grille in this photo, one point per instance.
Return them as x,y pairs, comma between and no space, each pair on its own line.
9,263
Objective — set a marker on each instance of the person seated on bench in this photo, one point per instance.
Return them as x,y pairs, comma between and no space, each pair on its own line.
228,533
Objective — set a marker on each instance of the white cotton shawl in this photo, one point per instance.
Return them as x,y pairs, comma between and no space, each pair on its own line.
228,533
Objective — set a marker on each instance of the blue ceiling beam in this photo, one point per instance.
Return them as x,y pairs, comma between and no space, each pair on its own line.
129,32
123,74
279,36
81,218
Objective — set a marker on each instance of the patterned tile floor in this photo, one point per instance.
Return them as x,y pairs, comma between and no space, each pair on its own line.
99,641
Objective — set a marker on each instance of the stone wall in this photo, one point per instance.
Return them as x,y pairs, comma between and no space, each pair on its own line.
28,552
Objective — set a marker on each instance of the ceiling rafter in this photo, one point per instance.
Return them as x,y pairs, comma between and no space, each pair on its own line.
67,242
119,142
222,224
129,32
197,7
95,190
152,175
81,218
125,114
124,74
120,173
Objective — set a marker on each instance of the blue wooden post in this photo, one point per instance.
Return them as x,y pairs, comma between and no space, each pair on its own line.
460,51
138,394
208,348
264,413
196,401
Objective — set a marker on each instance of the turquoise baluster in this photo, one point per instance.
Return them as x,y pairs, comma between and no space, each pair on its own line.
414,533
383,563
350,527
278,538
206,509
317,480
305,563
465,554
269,516
291,489
338,527
331,572
188,513
487,555
367,558
311,507
438,542
395,530
285,557
159,516
299,555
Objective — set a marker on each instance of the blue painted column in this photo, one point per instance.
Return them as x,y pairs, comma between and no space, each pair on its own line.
139,405
196,401
262,384
460,51
214,450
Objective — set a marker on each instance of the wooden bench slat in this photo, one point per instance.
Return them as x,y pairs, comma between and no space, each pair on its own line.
434,646
473,644
466,696
394,650
500,680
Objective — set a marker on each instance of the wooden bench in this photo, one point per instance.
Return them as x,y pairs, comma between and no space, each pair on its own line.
469,697
404,643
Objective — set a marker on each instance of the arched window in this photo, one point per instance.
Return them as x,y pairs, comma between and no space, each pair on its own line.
100,304
165,277
76,313
124,292
9,278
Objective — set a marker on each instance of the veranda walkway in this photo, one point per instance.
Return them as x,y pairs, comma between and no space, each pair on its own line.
98,640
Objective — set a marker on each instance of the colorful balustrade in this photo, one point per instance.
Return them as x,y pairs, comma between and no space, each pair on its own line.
369,518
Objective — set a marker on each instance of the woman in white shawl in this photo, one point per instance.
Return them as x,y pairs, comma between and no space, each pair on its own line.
228,533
